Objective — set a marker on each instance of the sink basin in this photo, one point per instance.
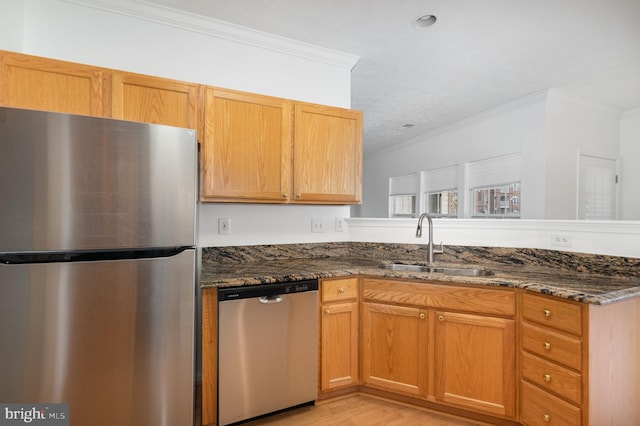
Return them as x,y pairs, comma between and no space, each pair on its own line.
447,270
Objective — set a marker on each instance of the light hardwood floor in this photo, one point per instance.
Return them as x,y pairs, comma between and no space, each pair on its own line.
361,410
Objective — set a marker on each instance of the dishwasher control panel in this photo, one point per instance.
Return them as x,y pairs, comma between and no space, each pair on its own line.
259,290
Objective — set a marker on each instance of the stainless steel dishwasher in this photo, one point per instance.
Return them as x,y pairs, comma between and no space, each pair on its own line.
267,349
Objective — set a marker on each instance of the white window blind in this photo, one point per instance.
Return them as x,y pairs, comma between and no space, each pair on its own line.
406,184
496,170
443,178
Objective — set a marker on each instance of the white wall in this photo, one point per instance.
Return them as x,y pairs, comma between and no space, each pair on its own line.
11,23
131,36
629,156
614,238
134,36
515,127
574,126
550,129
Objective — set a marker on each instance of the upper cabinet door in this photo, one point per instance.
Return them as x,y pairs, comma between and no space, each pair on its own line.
327,155
246,149
156,100
51,85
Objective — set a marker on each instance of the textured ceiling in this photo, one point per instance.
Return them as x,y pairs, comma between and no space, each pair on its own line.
478,55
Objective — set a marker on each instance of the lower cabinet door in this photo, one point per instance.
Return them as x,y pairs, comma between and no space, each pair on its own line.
339,346
475,363
394,348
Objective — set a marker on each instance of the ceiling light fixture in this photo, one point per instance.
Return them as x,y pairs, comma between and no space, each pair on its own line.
424,21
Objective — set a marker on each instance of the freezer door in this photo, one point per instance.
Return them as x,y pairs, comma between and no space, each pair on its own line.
84,183
112,339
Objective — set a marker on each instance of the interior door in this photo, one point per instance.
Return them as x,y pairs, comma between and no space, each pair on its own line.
597,188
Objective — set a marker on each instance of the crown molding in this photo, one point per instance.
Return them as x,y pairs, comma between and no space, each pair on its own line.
215,28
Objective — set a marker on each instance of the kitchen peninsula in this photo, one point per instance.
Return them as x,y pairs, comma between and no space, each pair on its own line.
584,308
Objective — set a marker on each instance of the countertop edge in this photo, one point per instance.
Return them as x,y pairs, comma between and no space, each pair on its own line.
214,277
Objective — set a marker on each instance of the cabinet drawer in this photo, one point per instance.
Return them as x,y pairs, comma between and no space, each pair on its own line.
554,313
552,377
553,346
541,408
341,289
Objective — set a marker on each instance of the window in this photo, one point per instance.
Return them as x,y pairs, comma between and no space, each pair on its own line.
495,186
497,201
444,203
440,188
403,192
403,205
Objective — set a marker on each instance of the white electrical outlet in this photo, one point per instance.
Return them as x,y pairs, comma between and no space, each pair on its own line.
339,224
561,240
317,224
224,226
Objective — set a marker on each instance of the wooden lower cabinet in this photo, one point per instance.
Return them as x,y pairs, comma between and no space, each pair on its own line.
453,348
339,320
418,341
394,348
579,362
475,362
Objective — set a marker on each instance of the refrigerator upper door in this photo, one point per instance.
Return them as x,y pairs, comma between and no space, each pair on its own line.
84,183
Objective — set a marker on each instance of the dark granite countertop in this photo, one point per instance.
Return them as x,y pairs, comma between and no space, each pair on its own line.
560,279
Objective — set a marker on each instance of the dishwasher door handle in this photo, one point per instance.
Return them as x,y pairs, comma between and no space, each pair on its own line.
271,299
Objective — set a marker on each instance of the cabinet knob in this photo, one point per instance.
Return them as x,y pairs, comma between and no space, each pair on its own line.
546,312
546,418
298,195
285,195
326,311
441,318
547,377
421,315
341,290
546,345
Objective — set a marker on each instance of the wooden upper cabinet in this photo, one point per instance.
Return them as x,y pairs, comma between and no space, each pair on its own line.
156,100
327,161
246,151
256,149
51,85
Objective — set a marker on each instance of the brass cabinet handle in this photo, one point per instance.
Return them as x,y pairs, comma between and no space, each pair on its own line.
546,345
298,195
546,418
285,195
326,311
341,290
546,312
421,315
441,318
547,377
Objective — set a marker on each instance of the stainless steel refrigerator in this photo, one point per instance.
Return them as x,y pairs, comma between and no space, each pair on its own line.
97,267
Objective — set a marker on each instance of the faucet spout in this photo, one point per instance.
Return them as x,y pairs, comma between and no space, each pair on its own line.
431,251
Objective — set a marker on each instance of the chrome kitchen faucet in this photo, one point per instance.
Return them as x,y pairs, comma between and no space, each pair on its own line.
432,251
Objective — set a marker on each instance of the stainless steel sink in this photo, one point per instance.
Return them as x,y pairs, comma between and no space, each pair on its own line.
447,270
